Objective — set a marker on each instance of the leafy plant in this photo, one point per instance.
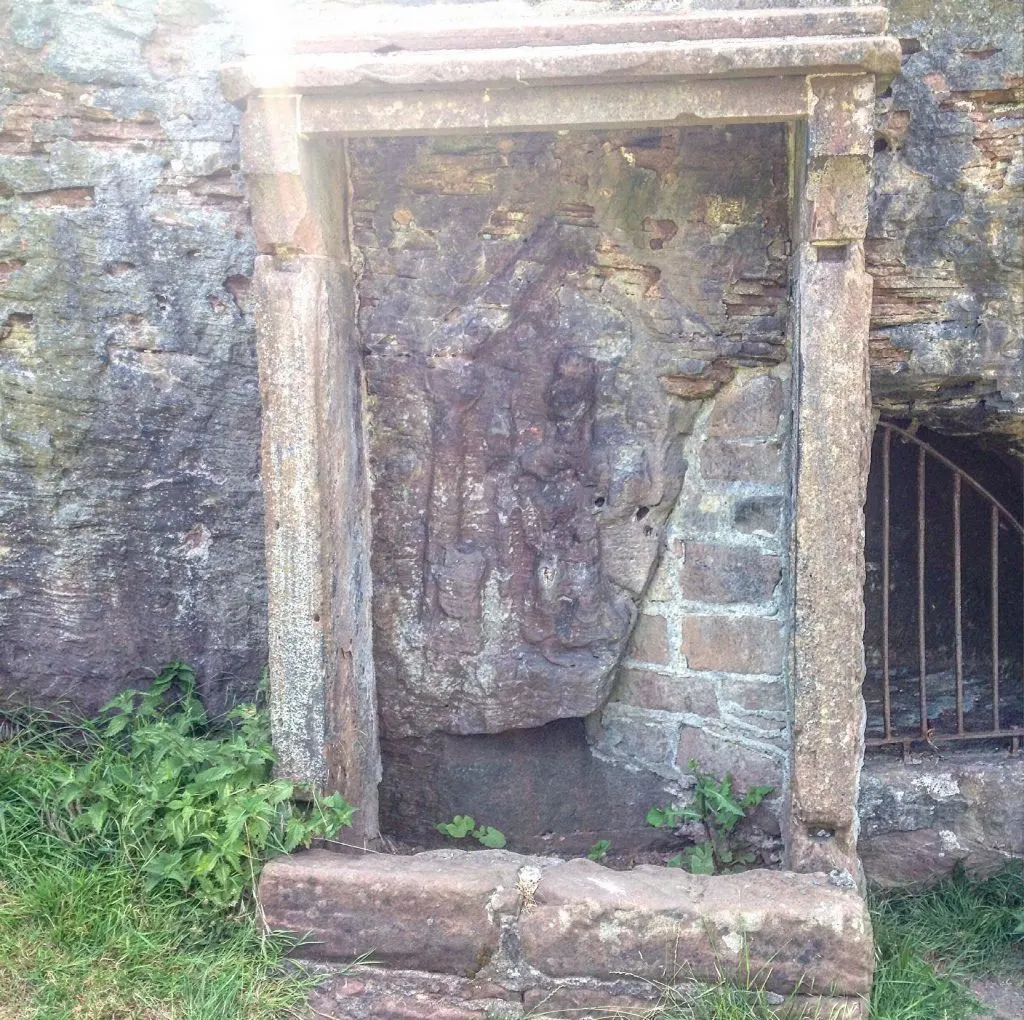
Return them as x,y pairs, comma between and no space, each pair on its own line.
717,808
192,802
599,851
464,825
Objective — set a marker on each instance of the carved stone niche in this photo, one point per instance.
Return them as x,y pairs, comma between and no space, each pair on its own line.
505,600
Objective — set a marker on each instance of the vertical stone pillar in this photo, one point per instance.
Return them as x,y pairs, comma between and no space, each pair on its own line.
833,428
322,688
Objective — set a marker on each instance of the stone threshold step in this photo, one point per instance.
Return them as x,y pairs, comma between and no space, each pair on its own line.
532,927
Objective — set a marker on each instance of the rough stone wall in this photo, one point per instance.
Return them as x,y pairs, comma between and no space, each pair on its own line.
946,238
561,333
130,505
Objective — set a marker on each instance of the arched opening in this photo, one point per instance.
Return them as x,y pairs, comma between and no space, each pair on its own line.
944,630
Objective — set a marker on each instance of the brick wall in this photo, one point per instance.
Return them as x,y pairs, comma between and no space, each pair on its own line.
705,675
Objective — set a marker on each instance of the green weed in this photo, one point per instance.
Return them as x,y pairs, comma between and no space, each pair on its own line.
191,803
717,808
462,826
92,924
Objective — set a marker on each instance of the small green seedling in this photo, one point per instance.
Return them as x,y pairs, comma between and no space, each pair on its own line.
599,851
718,808
462,826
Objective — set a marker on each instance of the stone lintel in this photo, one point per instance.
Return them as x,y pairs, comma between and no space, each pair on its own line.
669,103
527,66
833,450
322,697
381,28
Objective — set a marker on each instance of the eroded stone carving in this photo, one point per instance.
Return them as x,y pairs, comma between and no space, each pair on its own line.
522,303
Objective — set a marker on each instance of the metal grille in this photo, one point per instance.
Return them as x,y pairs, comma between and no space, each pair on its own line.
1006,692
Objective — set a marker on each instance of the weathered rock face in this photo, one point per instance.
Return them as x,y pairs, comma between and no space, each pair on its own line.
946,239
131,516
922,819
543,317
130,526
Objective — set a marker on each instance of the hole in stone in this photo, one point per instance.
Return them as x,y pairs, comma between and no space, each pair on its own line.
882,145
648,530
316,617
599,502
832,252
908,47
642,512
885,93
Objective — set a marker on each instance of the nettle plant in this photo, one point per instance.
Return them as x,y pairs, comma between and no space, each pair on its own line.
462,826
717,808
192,801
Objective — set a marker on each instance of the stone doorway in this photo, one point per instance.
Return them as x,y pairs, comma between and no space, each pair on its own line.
574,571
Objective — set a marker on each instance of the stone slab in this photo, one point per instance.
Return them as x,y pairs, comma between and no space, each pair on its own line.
789,932
437,911
484,110
380,29
532,925
919,821
407,71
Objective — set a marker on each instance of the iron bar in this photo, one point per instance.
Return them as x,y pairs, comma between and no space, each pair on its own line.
939,738
958,606
921,454
995,618
999,515
1008,518
886,469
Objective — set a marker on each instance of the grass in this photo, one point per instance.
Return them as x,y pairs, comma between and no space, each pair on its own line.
930,944
82,938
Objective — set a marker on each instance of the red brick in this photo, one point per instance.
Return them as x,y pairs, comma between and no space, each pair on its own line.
736,461
753,694
733,644
748,410
650,640
644,689
721,573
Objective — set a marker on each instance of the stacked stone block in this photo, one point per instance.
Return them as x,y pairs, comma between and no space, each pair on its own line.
704,676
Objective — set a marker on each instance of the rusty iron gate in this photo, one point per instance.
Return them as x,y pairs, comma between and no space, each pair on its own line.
1003,688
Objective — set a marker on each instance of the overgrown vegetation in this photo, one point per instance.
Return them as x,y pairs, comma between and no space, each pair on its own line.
129,848
716,808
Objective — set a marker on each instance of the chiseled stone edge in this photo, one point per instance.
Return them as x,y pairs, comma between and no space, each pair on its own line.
833,430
